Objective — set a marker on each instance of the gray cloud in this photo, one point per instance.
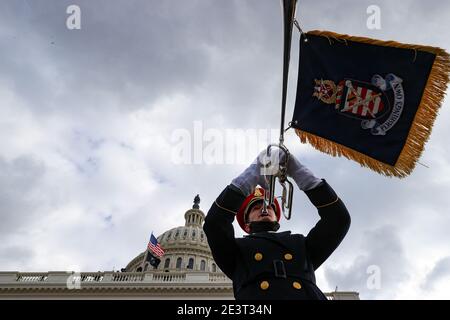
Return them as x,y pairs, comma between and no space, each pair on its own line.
11,256
381,248
135,53
115,51
440,272
19,179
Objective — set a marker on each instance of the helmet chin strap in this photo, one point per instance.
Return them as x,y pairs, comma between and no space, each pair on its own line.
263,226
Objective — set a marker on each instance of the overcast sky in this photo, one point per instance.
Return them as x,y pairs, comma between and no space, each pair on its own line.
90,119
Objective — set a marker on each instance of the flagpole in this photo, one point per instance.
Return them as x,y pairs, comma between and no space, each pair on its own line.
145,259
288,8
145,256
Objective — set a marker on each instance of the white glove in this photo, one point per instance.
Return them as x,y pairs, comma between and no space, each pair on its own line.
252,176
255,174
302,176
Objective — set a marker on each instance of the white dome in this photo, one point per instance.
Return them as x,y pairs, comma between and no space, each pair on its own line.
186,248
183,237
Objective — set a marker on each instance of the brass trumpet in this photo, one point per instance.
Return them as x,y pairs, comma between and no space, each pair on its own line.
288,10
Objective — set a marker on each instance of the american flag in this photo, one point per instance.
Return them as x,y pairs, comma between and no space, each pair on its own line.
154,246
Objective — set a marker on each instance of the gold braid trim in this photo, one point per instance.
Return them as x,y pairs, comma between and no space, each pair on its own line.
224,208
420,130
328,204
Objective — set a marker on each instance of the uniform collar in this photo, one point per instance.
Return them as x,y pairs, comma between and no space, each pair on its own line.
265,234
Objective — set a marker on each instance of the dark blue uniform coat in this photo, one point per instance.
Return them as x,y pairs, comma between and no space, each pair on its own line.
275,265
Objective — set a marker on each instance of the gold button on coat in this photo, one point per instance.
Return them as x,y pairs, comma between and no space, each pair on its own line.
258,256
296,285
264,285
288,256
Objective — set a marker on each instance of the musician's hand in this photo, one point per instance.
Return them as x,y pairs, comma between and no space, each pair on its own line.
302,176
253,175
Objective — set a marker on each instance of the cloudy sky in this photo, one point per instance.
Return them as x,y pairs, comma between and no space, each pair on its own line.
92,121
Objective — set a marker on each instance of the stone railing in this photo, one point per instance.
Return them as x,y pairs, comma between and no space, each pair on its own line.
218,277
342,295
168,277
128,277
108,277
31,277
73,280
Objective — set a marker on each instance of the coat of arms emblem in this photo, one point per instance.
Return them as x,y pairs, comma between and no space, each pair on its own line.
364,101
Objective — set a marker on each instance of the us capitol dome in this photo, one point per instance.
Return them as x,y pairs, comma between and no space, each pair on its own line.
186,247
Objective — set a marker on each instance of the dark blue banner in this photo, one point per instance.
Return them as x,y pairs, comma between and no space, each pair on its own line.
369,100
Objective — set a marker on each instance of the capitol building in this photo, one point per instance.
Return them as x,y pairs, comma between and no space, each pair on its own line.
187,271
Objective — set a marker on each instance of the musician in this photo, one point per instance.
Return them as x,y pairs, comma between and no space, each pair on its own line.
266,264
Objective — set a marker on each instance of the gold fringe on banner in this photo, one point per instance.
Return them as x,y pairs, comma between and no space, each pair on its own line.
420,130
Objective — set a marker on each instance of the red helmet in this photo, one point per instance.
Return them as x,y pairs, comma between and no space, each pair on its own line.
257,195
